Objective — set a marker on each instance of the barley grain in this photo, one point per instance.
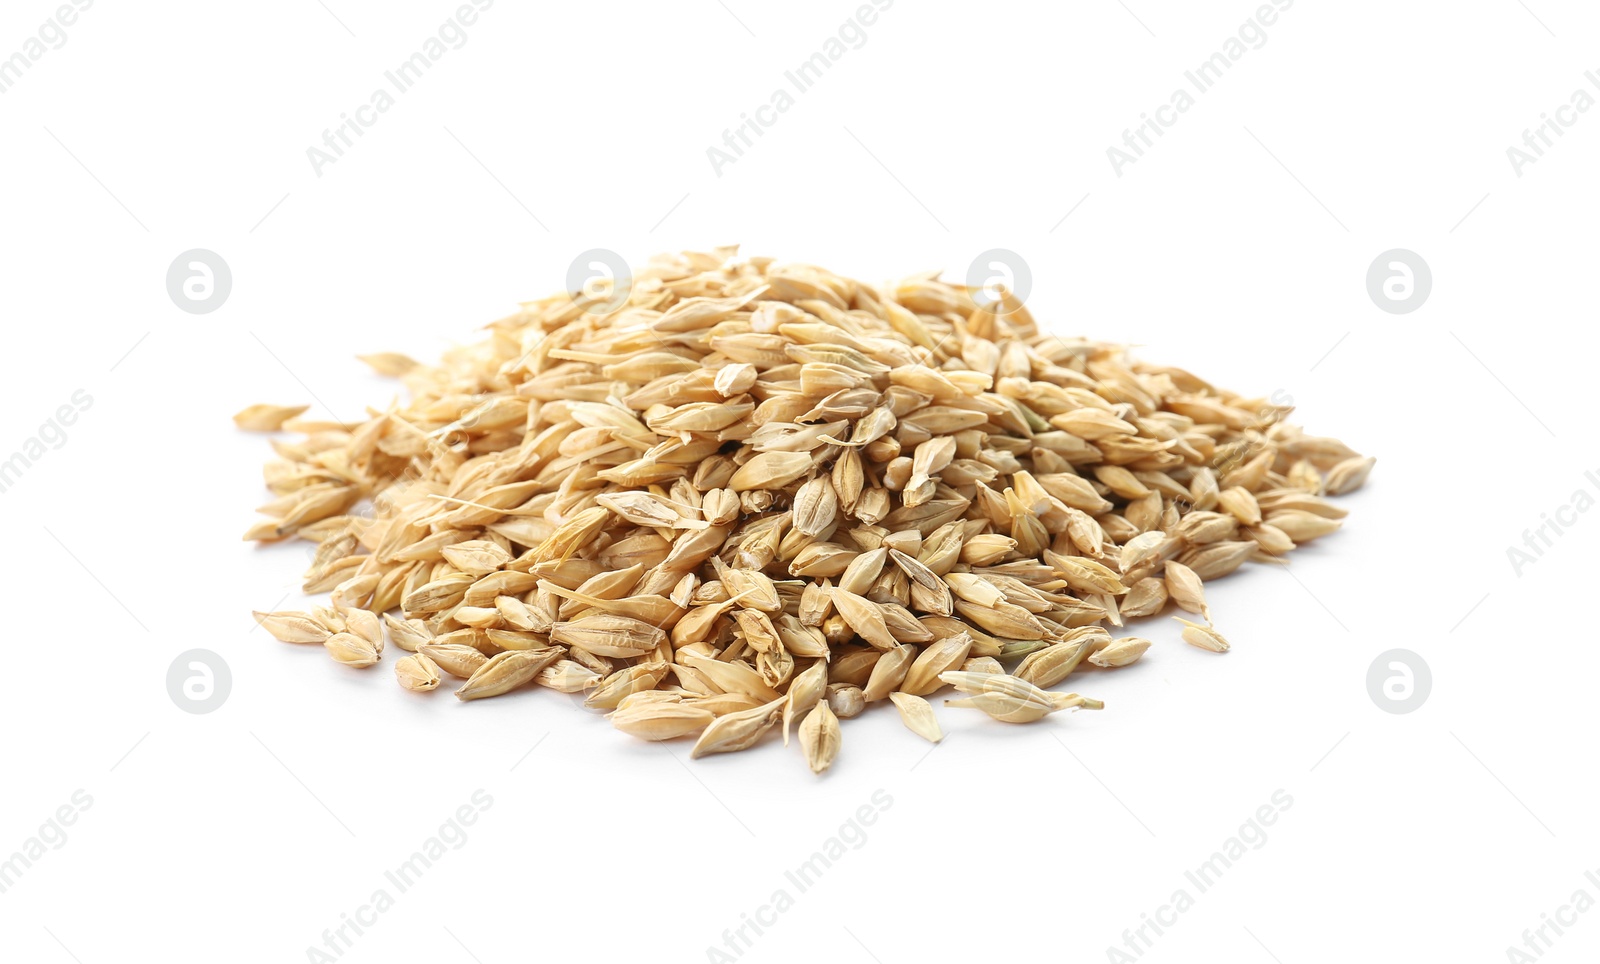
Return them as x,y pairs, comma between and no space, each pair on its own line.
507,671
1121,652
1204,637
417,673
918,716
352,650
819,737
754,491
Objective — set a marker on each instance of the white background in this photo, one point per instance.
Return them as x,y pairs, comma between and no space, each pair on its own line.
1237,247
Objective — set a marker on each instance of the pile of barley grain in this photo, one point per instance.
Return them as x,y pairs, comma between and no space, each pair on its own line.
743,492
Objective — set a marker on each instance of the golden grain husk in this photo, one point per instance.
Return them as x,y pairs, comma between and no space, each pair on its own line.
748,491
819,737
417,673
918,716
